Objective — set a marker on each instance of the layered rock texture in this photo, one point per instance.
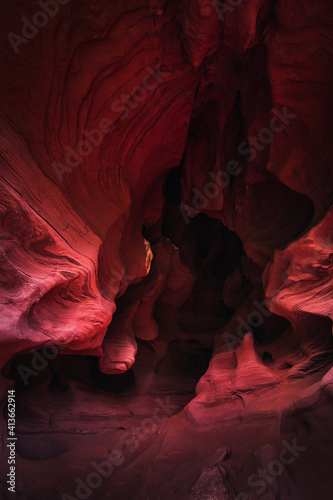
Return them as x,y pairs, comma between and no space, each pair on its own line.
166,249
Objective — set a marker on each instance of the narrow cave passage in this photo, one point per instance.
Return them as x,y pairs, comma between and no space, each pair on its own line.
166,250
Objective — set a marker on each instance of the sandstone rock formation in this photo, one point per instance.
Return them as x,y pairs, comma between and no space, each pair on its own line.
166,249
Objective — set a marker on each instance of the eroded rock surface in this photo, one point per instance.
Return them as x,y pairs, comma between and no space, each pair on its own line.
166,249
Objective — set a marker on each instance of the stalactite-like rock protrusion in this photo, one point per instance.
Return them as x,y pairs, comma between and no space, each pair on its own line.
166,249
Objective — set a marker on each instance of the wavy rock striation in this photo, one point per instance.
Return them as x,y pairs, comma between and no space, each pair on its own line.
166,248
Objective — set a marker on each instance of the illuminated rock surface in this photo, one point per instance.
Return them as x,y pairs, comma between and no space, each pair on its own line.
166,223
